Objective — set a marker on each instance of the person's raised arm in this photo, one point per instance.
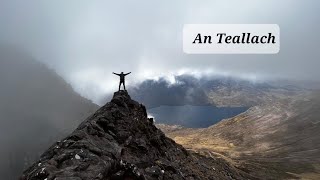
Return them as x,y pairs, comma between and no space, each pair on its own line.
115,73
127,73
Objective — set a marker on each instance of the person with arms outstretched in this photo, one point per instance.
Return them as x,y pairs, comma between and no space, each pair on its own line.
122,75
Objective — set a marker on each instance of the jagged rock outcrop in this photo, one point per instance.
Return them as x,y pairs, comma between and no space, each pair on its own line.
120,142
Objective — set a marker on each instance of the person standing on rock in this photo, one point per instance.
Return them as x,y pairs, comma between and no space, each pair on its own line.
122,75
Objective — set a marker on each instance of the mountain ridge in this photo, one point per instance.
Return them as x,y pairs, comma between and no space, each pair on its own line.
119,141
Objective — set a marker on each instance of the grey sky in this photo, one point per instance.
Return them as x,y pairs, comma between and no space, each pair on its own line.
84,41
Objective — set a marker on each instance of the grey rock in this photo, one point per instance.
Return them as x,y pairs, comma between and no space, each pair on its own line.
119,142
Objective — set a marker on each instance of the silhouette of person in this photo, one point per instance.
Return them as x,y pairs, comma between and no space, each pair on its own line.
122,81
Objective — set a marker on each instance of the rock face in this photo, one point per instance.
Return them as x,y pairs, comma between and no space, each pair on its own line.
120,142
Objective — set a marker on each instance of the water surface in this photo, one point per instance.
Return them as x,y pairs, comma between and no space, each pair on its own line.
193,116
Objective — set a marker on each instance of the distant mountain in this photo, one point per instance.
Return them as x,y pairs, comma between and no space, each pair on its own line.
120,142
276,140
236,93
36,107
216,90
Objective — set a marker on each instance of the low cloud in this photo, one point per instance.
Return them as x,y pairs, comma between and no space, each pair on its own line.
85,41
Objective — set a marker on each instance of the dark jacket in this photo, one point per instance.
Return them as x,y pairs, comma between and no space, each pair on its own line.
122,75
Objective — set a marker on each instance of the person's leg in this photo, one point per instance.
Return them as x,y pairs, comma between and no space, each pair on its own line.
119,85
124,86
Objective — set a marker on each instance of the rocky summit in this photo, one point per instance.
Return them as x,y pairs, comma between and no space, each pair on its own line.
119,141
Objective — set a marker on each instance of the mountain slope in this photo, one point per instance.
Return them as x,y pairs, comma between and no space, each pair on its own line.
36,107
276,140
120,142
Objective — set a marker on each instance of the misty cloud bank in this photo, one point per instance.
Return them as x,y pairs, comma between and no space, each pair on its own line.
84,41
37,107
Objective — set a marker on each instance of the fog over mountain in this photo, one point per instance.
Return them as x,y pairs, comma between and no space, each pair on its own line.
36,108
220,91
84,41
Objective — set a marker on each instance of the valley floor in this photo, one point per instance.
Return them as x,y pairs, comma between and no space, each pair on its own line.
278,140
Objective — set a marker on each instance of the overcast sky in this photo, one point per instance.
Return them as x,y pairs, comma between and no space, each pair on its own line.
85,41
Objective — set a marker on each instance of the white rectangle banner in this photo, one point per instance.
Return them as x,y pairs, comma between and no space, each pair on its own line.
231,38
